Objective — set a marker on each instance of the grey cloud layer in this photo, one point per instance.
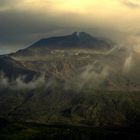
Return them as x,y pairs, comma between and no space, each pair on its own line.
20,27
131,4
5,2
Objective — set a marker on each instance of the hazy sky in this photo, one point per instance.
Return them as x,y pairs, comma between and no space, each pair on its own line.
24,21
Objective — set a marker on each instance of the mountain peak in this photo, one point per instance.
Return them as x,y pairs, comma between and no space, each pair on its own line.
81,40
74,34
84,35
81,35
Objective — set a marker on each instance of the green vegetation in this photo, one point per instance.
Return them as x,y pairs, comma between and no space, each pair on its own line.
56,105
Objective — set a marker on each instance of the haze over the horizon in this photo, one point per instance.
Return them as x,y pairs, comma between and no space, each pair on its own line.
25,21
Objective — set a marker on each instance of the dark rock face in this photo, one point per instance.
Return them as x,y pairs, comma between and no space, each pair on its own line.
76,40
67,113
81,40
13,69
63,41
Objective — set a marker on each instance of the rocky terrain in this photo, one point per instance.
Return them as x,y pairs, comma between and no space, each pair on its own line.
73,79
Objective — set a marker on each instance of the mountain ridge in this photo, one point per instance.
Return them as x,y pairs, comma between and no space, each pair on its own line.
75,40
75,86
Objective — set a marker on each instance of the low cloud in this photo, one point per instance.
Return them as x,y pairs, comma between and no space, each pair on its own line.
131,3
19,83
112,70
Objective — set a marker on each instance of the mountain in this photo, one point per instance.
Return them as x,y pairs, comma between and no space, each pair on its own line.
80,61
13,69
74,41
86,81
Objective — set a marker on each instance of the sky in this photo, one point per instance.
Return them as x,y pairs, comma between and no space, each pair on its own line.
23,22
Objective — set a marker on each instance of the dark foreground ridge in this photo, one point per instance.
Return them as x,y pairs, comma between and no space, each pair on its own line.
33,131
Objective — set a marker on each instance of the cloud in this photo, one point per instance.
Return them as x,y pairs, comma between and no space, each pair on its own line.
24,22
21,28
132,3
128,63
20,84
7,2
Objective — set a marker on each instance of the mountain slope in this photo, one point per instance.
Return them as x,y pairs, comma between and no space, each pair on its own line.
12,69
86,61
81,40
73,41
81,85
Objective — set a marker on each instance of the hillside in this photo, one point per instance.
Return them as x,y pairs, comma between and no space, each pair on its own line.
13,69
74,41
76,83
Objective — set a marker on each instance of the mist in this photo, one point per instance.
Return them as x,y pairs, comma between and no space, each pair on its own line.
19,82
117,64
